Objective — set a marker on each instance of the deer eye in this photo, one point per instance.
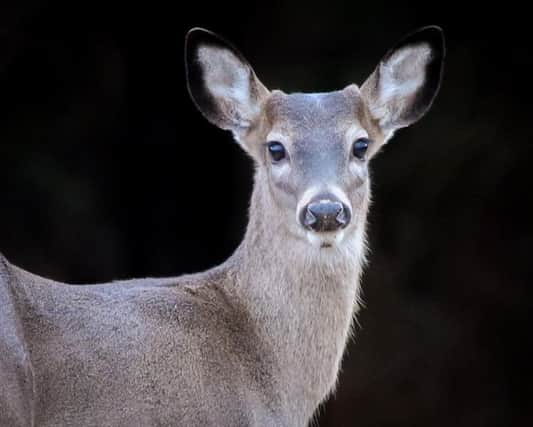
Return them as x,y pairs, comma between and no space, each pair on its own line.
277,151
359,147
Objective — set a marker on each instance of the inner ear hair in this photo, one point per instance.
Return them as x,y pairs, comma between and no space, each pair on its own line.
230,82
407,79
221,82
400,78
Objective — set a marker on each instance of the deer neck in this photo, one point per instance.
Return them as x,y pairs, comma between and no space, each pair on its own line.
302,300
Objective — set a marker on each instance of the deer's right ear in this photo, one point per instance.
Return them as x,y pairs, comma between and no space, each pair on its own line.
221,83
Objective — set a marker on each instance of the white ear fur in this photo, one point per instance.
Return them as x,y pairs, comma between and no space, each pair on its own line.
400,78
229,81
393,87
404,84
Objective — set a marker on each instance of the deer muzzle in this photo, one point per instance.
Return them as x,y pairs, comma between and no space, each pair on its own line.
325,214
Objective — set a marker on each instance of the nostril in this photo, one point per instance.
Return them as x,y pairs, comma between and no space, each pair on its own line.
309,218
343,218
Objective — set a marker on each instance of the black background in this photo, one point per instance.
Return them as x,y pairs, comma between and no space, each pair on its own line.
107,171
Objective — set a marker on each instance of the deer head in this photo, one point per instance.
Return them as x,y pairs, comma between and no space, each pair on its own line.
312,149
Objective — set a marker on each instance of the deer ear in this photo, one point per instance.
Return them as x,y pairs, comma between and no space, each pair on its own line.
402,87
221,83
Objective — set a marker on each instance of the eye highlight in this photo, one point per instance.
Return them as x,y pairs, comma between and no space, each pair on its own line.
359,148
276,150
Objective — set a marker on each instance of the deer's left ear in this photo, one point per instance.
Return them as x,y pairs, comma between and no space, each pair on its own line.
221,83
402,87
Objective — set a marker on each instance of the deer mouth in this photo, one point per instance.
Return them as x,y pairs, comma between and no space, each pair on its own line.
325,240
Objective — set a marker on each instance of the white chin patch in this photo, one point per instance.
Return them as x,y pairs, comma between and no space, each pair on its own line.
325,240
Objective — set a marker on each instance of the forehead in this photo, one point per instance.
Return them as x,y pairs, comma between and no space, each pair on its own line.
299,114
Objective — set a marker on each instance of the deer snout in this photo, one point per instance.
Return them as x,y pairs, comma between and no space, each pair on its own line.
325,214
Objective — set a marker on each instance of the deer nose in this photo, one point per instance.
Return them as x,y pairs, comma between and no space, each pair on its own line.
325,215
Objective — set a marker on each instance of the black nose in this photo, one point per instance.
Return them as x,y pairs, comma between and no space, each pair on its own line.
325,215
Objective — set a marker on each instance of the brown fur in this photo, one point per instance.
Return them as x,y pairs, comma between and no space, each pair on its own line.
256,341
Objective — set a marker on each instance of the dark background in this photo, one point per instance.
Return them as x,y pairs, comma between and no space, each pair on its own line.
107,172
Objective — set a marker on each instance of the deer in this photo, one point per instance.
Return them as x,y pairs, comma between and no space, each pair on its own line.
257,340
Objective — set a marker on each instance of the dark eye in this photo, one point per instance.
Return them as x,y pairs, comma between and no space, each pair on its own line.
277,151
359,147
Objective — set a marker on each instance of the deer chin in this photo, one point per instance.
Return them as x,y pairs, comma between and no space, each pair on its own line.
325,241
